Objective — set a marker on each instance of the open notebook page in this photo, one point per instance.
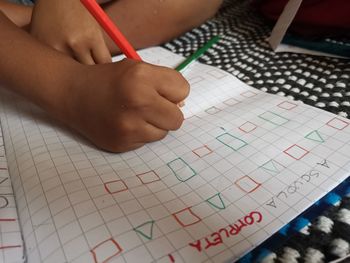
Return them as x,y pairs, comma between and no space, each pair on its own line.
243,164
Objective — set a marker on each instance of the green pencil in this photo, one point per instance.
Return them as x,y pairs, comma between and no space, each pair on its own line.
198,53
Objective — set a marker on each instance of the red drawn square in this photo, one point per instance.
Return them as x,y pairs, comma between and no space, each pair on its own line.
217,74
148,177
247,184
186,217
247,127
202,151
287,105
116,186
296,152
231,102
193,117
195,80
213,110
248,94
106,250
337,123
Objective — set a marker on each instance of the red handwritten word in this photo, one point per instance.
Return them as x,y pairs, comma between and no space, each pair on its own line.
216,238
6,247
7,219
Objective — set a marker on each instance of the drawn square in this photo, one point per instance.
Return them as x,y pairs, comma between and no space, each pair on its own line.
231,141
202,151
106,250
181,169
247,184
231,102
337,123
273,118
287,105
296,152
247,127
148,177
212,110
195,80
248,94
186,217
116,186
217,74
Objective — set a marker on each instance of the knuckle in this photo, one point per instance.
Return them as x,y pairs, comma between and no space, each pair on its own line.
139,101
139,70
125,128
76,42
178,120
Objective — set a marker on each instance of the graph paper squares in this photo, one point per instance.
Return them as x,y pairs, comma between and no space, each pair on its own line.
186,217
106,250
287,105
273,118
116,186
247,184
181,169
337,123
202,151
296,152
231,141
148,177
248,127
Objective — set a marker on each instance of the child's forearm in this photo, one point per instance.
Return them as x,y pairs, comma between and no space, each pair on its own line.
32,69
152,22
18,14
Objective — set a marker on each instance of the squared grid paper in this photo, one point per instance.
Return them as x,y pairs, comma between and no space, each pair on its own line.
243,164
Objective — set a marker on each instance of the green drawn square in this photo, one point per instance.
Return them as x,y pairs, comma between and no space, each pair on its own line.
273,118
176,171
220,138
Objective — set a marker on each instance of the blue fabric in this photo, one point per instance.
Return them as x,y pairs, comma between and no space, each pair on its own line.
22,2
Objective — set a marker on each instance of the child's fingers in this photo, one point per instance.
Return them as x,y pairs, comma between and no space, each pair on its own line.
164,114
100,53
84,56
150,133
174,87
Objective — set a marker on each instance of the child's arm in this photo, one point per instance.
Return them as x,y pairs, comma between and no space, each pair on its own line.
152,22
118,106
67,26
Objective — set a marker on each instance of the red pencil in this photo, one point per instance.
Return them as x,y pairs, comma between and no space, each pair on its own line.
111,29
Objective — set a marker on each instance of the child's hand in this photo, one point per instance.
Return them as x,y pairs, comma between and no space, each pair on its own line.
124,105
68,27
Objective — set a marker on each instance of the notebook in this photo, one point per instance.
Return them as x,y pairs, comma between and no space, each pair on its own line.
243,164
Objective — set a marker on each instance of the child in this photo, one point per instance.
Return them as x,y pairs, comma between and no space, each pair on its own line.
62,65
